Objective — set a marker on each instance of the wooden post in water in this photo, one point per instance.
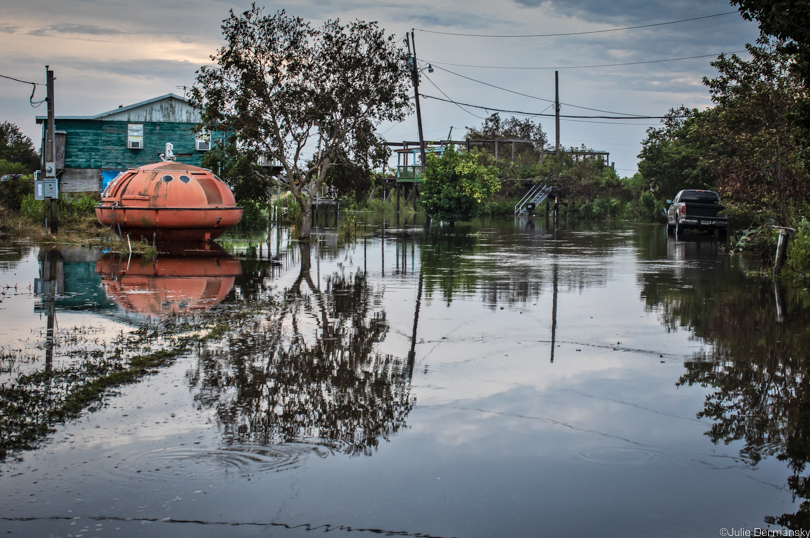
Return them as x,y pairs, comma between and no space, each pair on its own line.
781,248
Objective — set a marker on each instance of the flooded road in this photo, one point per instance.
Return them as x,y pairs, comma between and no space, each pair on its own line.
496,379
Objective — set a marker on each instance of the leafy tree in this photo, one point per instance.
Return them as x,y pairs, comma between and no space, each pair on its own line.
746,147
789,22
495,127
749,137
455,186
671,155
353,179
287,89
526,156
237,167
12,168
15,147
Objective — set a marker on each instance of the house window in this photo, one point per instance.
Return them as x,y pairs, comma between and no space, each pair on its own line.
135,136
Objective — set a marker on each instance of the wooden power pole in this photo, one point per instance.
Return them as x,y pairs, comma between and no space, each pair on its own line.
415,74
557,110
49,153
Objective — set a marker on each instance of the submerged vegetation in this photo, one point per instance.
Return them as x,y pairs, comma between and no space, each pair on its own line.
87,370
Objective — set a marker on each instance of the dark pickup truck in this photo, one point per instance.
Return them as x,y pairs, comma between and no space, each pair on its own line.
697,210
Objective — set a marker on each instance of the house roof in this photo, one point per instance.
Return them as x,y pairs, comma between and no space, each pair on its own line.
42,119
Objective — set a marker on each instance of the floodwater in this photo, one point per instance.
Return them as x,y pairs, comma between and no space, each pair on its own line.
495,379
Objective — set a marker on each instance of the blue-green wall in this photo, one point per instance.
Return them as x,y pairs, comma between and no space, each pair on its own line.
103,144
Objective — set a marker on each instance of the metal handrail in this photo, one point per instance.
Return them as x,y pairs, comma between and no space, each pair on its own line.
539,192
527,197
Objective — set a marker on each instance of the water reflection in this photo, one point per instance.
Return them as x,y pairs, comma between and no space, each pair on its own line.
309,372
757,366
179,281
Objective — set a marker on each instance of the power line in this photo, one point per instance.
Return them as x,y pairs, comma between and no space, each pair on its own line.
613,122
23,81
587,66
581,33
33,90
461,107
530,96
488,108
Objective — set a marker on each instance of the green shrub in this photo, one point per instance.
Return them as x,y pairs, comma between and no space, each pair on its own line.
502,207
348,226
254,216
13,191
798,254
759,243
33,209
70,209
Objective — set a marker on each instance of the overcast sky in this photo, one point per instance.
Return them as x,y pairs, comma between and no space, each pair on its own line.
107,53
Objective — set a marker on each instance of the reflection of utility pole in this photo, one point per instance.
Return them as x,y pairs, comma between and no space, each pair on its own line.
365,249
554,313
382,264
47,287
412,352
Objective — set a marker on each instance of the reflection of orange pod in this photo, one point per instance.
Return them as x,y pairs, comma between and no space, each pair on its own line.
168,284
170,201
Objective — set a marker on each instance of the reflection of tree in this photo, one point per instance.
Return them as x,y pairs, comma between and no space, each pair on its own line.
506,267
758,367
310,372
449,262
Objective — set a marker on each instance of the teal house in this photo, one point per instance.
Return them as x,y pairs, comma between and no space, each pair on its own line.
91,150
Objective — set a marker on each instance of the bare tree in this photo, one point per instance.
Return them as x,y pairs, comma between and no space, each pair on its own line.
302,95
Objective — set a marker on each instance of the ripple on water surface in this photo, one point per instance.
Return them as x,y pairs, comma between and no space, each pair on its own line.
243,459
619,456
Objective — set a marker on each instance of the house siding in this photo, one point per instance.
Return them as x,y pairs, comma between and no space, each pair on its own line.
93,144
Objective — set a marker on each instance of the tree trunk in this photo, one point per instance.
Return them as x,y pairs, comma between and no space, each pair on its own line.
306,217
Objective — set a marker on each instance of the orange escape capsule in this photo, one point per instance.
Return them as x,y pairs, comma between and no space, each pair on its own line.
168,201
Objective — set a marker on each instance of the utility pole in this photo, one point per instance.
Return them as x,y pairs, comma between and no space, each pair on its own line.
556,109
49,155
415,74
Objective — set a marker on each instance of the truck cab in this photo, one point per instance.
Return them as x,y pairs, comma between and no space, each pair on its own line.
697,210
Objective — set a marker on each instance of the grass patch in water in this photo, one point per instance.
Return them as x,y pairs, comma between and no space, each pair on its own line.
32,404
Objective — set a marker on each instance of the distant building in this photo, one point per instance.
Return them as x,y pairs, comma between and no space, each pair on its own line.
91,150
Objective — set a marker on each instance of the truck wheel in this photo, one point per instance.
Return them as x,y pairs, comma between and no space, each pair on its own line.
678,229
670,229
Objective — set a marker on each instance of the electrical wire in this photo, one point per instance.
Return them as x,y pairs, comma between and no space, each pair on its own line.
487,108
533,96
23,81
586,66
461,107
33,90
395,125
613,122
580,33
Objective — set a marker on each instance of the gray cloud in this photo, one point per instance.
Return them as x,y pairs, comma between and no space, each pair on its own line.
81,29
448,20
8,28
632,11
